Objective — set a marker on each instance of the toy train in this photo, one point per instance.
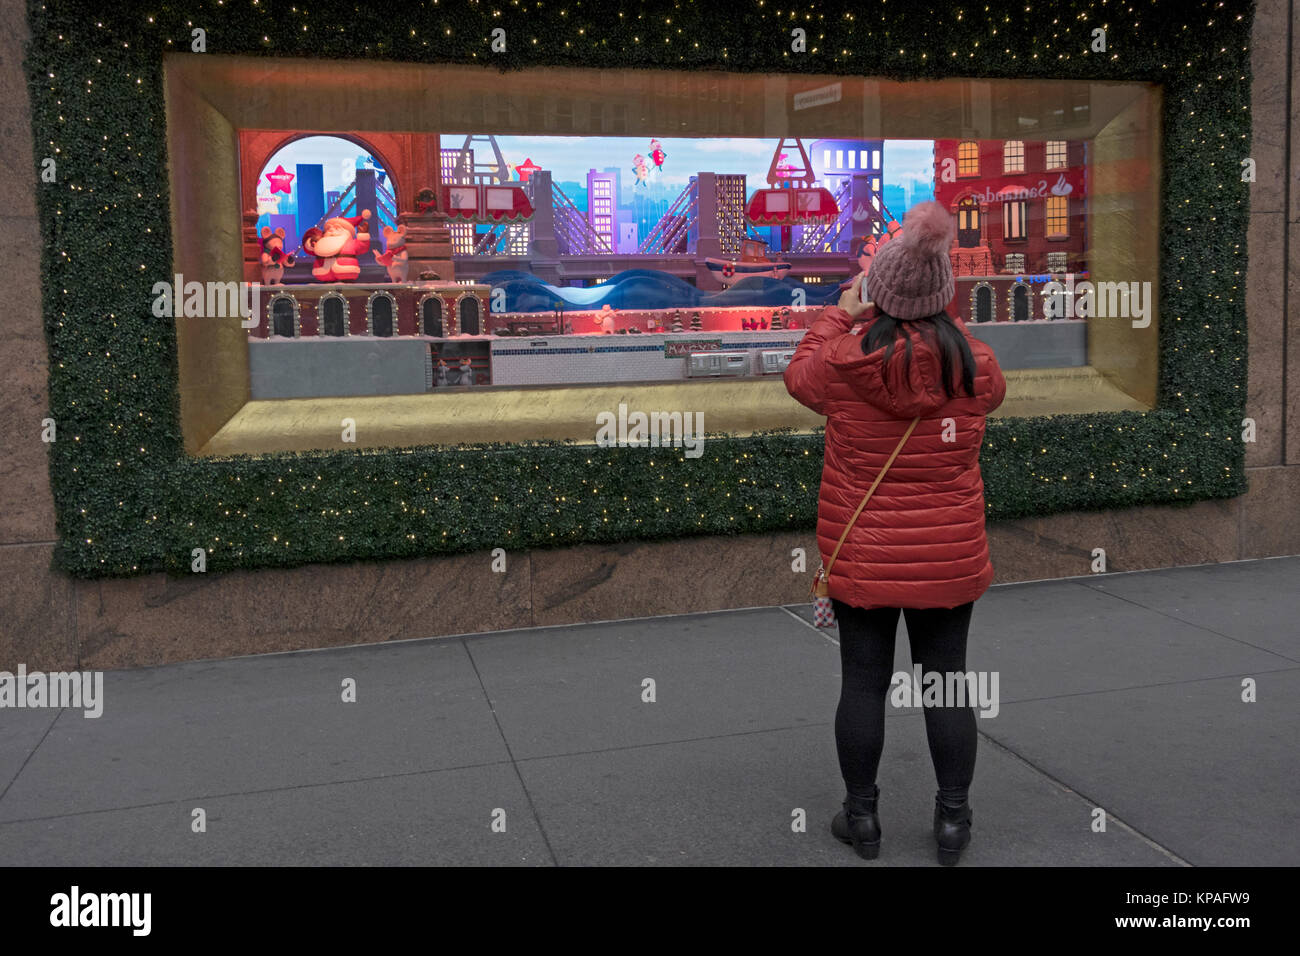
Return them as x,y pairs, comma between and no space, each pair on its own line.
733,364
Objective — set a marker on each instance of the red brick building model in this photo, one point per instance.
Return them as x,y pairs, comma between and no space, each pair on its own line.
1021,210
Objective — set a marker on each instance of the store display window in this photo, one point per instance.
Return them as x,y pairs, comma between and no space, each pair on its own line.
447,238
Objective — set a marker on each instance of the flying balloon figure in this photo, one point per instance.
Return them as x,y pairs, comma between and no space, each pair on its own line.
640,170
657,154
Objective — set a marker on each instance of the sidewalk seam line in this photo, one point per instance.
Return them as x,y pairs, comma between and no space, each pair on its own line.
254,793
675,742
31,754
514,764
1125,690
820,631
1179,620
1110,816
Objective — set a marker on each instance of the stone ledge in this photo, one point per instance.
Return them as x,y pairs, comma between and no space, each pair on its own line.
53,621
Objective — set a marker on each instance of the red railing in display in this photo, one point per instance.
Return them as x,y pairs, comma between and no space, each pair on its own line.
485,202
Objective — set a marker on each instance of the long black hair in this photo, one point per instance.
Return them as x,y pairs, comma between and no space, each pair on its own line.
938,330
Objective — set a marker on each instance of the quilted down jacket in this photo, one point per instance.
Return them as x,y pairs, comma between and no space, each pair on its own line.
920,541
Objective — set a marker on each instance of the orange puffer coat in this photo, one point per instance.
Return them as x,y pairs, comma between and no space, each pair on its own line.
920,541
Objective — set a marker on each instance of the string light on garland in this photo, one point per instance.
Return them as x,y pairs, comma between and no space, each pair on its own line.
130,499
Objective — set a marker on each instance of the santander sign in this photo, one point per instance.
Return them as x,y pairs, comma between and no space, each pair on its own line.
1058,188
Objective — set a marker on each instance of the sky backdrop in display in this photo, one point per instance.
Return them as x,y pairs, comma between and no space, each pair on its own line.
907,163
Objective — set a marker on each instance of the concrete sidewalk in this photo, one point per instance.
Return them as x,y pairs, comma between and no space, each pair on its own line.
1121,691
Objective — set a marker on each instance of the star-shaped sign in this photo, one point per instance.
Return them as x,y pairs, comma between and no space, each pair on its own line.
280,180
526,169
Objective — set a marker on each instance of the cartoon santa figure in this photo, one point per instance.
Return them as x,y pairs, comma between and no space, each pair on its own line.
336,248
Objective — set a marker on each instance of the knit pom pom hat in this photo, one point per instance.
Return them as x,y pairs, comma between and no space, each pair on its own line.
911,276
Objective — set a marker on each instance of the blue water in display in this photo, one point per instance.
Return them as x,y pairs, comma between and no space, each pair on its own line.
638,289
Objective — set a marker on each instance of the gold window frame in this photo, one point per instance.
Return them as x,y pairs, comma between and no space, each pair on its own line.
211,97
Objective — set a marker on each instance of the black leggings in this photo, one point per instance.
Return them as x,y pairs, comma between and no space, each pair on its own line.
938,640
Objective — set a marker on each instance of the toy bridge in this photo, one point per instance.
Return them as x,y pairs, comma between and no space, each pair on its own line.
674,227
813,221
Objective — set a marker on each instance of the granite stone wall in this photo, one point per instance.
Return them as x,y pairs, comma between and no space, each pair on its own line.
50,621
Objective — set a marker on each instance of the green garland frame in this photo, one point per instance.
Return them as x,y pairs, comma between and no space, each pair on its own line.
129,500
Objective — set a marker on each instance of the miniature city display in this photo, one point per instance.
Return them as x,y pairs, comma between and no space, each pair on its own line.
529,246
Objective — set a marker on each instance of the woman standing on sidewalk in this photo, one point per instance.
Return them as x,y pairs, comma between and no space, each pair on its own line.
919,546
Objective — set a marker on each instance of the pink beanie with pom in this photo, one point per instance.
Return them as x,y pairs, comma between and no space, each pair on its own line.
911,276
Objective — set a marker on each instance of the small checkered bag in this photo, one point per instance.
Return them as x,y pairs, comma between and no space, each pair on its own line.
823,609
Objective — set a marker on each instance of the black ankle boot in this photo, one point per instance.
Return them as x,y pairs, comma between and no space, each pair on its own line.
858,824
951,830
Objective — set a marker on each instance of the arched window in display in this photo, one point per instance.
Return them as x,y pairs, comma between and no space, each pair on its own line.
982,307
317,188
468,314
333,315
284,316
1020,303
381,314
431,309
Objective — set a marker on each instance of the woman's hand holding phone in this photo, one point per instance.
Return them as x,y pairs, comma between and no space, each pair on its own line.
851,299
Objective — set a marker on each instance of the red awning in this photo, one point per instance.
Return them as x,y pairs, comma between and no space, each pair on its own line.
486,203
461,202
792,207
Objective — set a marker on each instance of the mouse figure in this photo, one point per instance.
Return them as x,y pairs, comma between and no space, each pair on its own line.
440,374
466,371
394,258
274,258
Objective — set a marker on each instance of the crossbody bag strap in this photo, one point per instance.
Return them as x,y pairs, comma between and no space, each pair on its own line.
867,497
